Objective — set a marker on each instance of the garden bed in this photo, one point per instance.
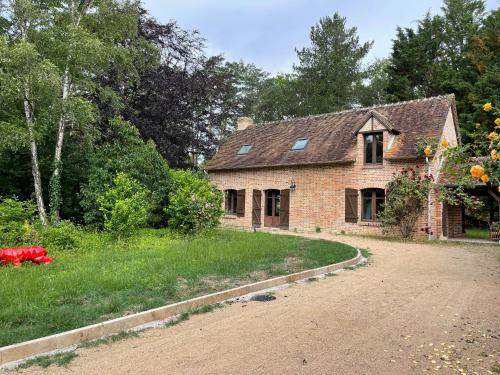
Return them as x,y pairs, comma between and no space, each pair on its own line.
104,279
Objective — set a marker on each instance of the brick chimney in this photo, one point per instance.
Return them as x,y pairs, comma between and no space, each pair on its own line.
244,123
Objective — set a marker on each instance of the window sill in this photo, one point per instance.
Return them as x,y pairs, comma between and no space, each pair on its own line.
230,216
373,166
370,223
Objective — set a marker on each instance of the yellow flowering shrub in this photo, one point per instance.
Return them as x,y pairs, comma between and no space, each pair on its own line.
487,107
493,136
485,178
477,171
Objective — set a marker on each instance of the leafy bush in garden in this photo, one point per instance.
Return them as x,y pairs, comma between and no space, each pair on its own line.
406,200
126,152
195,205
16,222
63,235
125,205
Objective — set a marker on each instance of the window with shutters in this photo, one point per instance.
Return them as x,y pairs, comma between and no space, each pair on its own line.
374,148
372,201
231,201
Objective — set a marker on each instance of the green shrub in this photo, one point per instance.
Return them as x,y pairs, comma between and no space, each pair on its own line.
64,235
125,205
126,153
195,205
16,226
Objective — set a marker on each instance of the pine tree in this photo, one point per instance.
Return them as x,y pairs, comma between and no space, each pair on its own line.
330,70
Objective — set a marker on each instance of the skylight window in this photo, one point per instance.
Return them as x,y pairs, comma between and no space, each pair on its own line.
245,149
300,144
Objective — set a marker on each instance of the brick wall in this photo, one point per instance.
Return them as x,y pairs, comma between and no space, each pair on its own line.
319,197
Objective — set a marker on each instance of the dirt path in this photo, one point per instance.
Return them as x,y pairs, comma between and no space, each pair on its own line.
411,306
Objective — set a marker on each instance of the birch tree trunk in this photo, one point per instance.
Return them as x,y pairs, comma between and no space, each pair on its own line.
55,180
35,169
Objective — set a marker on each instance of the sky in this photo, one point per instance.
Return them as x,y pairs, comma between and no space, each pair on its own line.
266,32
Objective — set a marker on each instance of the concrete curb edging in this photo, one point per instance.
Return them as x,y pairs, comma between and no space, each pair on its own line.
66,339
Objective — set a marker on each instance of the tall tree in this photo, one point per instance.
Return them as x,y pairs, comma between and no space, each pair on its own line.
462,19
330,70
186,103
483,56
416,60
374,90
444,55
248,82
61,43
27,84
278,99
86,32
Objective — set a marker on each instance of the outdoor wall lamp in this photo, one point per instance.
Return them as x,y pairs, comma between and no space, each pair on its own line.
292,185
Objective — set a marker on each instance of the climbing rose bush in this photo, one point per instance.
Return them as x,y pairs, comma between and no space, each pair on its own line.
195,205
406,199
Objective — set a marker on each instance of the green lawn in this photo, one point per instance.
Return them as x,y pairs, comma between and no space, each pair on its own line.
482,233
105,279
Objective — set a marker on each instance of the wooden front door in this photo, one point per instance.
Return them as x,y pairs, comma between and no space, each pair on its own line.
256,208
272,213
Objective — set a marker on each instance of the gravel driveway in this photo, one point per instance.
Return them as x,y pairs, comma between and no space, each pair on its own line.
415,308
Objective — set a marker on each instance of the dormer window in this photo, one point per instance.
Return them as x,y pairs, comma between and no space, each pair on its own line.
245,149
374,148
300,144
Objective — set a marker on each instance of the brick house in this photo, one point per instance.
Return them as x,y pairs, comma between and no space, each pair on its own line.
330,171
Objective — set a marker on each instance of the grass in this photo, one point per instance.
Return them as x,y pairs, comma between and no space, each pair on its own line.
496,369
123,335
480,233
104,279
187,314
60,359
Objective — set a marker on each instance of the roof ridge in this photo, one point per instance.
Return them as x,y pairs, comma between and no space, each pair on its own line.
446,96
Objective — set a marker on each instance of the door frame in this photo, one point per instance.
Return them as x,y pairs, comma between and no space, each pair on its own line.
272,221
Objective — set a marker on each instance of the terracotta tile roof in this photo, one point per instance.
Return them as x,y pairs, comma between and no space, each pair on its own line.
332,136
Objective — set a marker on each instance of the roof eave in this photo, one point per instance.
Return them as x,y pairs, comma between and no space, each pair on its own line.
268,166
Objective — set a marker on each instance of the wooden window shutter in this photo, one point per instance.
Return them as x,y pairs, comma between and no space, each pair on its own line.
351,205
256,208
284,208
240,203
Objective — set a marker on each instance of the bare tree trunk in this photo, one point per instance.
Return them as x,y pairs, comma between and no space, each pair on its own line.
35,169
